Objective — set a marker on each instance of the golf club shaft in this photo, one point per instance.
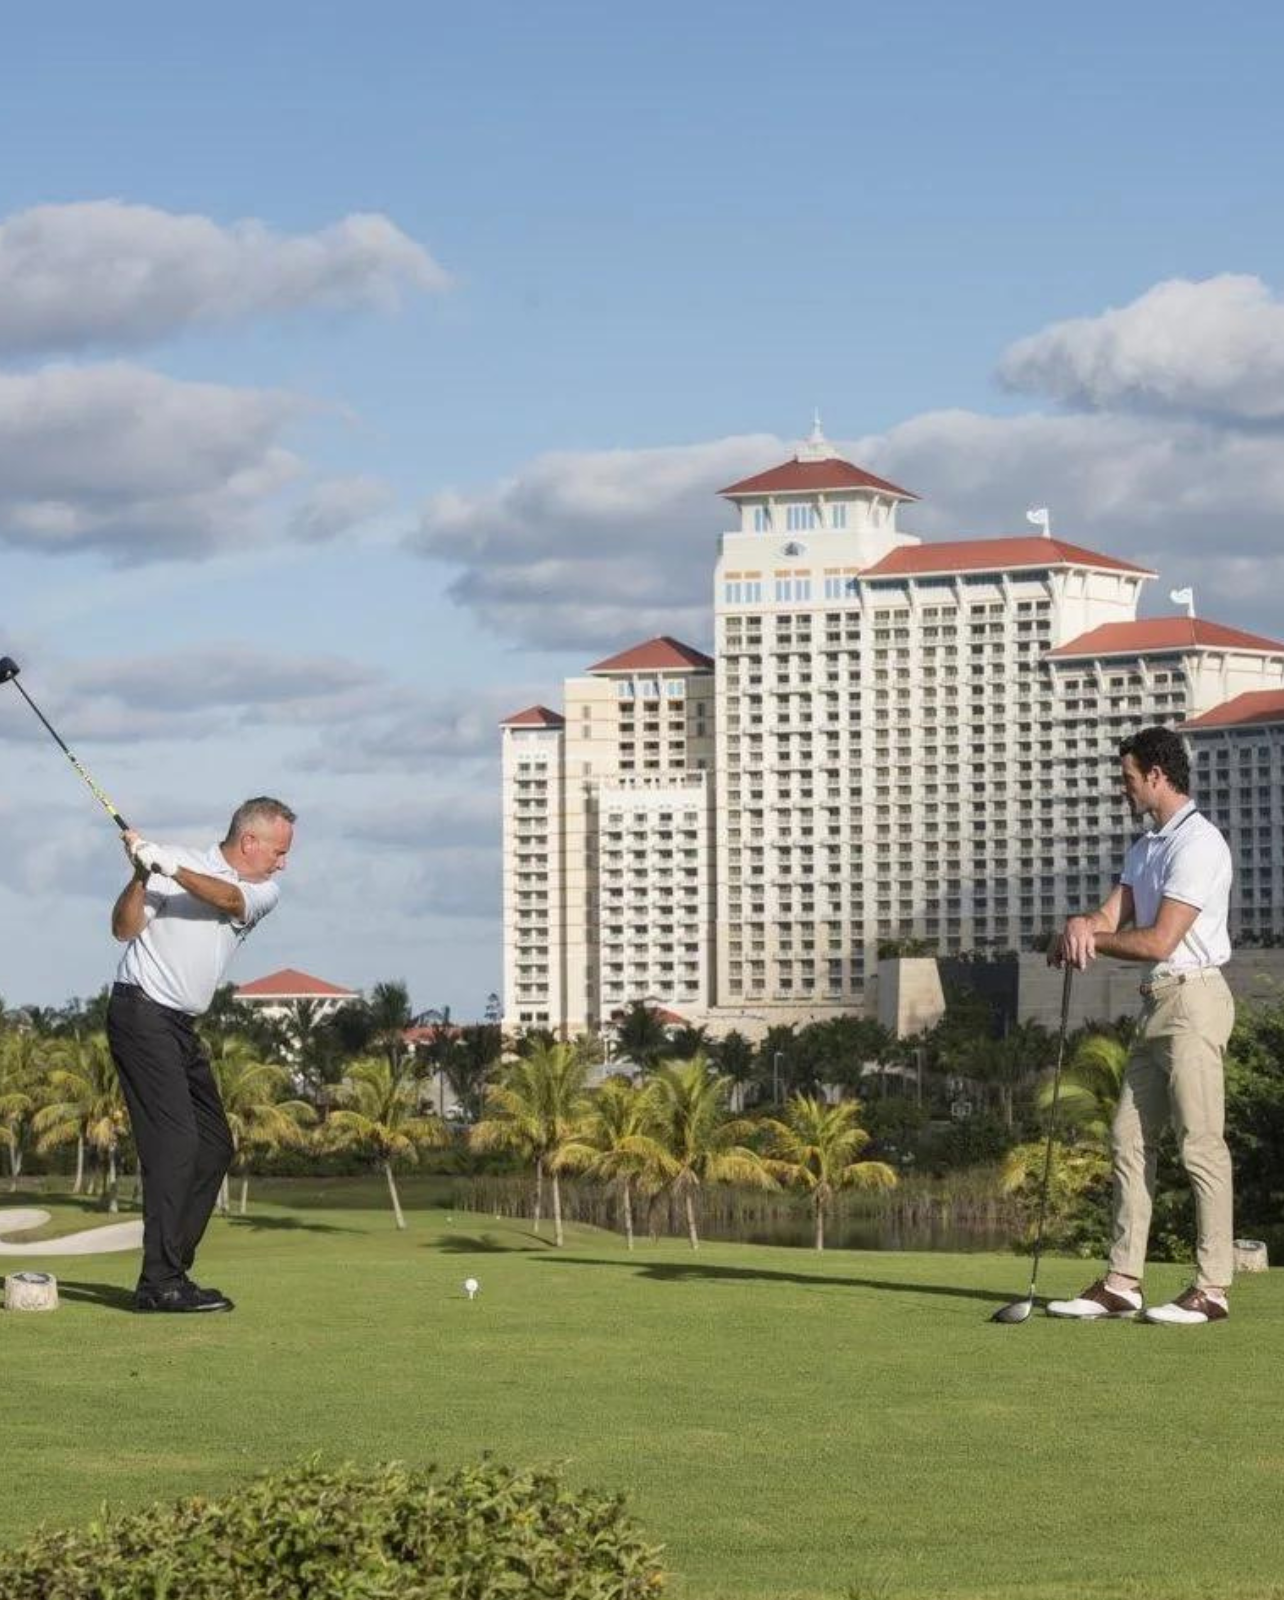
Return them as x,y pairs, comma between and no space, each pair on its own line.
1052,1126
93,787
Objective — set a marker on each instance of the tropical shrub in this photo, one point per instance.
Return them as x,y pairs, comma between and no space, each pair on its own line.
388,1532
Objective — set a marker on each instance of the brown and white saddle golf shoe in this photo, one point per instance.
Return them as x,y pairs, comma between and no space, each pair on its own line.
1097,1302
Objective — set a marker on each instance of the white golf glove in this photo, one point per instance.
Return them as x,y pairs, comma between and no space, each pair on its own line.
157,858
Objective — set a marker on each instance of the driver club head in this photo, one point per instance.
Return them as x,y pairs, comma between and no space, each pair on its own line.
1017,1311
8,668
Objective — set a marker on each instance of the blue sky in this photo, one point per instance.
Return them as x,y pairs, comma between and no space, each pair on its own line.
306,506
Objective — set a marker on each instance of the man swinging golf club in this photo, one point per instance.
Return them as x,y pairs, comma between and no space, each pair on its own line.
183,915
1169,912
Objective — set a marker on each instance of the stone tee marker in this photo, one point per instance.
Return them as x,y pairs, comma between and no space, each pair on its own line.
30,1291
1250,1256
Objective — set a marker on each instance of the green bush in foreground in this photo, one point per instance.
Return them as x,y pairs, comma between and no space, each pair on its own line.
349,1533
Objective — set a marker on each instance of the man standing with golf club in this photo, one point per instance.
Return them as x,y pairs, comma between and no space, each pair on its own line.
183,915
1168,911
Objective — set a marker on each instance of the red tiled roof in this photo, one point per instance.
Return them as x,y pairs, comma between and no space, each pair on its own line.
985,555
656,655
534,717
291,984
429,1032
1164,633
799,477
1258,705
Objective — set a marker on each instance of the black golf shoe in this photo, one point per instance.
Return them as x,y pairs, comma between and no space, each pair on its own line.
183,1297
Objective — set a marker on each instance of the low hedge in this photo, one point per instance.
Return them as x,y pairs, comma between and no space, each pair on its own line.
317,1532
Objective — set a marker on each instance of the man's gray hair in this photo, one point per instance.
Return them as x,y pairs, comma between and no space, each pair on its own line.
263,808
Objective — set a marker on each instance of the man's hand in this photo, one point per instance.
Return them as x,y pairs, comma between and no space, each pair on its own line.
131,839
1078,943
156,857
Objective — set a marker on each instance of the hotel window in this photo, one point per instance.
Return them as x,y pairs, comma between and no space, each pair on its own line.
762,519
800,518
838,515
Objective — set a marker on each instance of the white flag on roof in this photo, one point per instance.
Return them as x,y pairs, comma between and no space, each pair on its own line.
1183,597
1041,518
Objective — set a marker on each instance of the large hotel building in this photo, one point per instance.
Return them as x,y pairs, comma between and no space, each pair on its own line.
894,740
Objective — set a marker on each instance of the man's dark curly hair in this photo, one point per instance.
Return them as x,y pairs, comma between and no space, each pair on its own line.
1162,748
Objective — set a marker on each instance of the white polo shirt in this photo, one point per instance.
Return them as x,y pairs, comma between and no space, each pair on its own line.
180,957
1187,860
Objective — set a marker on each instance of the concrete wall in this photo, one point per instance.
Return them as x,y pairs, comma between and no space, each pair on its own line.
910,997
1109,989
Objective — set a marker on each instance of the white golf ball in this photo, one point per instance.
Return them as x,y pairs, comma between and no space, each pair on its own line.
471,1287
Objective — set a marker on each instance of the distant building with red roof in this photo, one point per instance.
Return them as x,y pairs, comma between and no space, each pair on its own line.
1016,554
1257,709
657,655
278,991
1152,635
894,739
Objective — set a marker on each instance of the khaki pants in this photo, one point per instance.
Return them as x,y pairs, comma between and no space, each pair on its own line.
1174,1075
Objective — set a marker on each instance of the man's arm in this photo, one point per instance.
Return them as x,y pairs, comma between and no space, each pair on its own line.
129,914
216,892
1156,943
1081,939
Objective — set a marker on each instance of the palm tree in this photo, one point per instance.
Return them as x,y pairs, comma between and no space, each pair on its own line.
641,1035
391,1013
535,1109
22,1065
85,1102
257,1117
379,1112
1090,1086
468,1060
815,1148
614,1144
698,1144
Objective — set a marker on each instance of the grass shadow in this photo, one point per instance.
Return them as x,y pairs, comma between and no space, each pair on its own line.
265,1224
490,1244
111,1295
681,1271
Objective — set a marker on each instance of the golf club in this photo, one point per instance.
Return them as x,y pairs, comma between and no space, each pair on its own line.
1019,1310
9,674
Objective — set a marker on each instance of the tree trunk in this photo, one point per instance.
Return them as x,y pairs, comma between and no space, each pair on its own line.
15,1163
539,1192
245,1191
557,1209
628,1212
392,1190
223,1206
692,1234
112,1203
80,1164
138,1179
820,1224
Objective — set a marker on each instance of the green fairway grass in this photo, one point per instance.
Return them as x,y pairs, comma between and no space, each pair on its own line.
786,1423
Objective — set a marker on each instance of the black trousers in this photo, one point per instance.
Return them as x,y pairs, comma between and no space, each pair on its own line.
184,1145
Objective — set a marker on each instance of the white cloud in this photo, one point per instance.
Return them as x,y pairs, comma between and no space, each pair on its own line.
106,273
139,466
589,550
1213,348
407,731
216,690
337,506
